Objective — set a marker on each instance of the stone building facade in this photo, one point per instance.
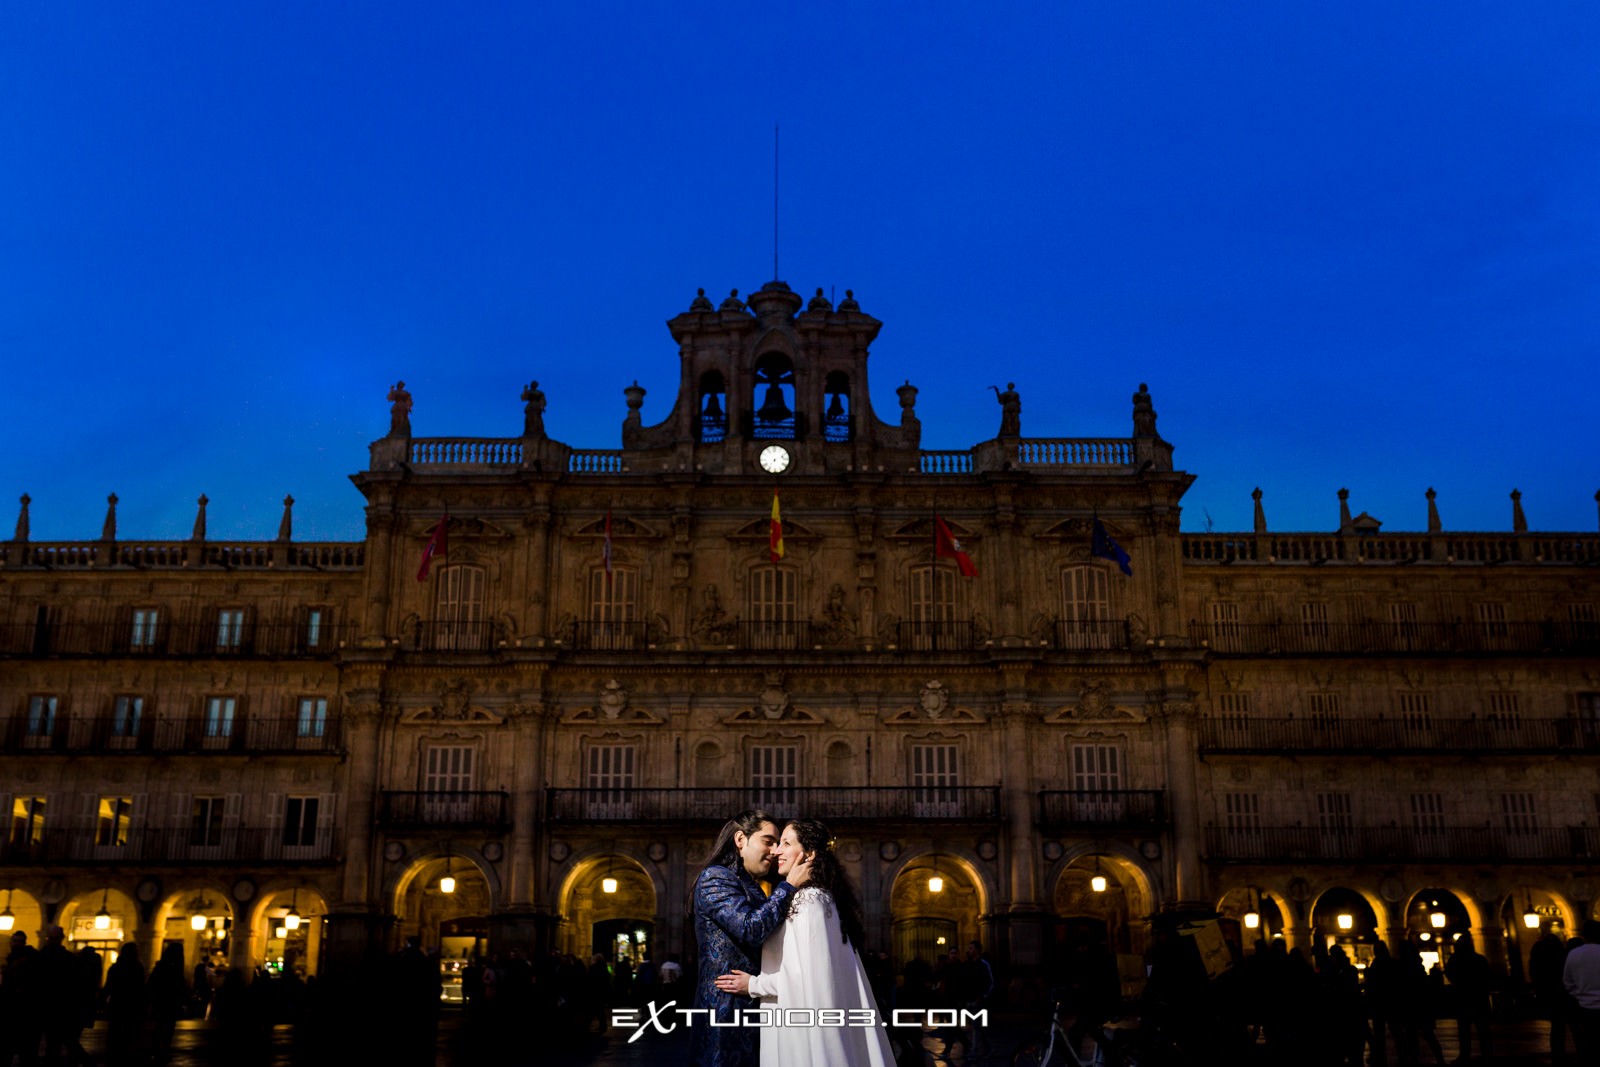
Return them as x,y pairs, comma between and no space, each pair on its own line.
1350,735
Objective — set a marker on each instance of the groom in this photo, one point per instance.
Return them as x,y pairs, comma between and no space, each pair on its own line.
732,916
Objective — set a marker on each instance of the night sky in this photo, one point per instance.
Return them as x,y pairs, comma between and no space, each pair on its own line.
1347,245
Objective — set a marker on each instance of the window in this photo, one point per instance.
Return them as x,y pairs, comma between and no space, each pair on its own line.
1226,633
312,718
458,609
774,607
217,725
1427,814
1243,812
127,717
1314,624
1492,625
27,822
1583,622
1085,608
773,777
206,820
316,620
300,821
933,605
1333,813
1505,712
1519,813
114,820
1233,719
447,777
41,724
1097,774
146,622
230,629
934,780
1416,718
613,608
1325,714
610,781
1588,705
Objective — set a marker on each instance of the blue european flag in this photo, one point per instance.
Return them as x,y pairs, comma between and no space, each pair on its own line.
1102,546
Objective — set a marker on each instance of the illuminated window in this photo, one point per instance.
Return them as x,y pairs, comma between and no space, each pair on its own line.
114,819
312,717
146,623
27,821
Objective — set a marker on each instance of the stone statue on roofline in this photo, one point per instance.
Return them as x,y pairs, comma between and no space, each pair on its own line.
1010,410
400,412
533,413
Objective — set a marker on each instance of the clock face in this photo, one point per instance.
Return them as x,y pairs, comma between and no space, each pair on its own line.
775,459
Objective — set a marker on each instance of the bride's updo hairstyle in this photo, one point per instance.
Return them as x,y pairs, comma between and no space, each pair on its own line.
828,874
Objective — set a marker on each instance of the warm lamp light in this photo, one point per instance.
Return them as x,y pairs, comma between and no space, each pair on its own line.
197,922
7,919
1252,920
1437,920
936,884
1098,883
1530,919
280,933
102,918
291,921
608,885
1346,921
447,884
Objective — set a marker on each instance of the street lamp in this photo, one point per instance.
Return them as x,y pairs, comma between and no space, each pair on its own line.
1530,918
1346,921
197,922
7,919
1252,918
1098,882
102,918
935,883
608,884
291,921
1437,920
447,884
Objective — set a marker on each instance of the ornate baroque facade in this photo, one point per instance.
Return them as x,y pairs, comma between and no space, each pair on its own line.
605,663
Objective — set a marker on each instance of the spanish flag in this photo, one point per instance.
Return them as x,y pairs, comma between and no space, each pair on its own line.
775,531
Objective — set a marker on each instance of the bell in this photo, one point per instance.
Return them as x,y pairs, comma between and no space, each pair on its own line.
713,410
836,406
773,409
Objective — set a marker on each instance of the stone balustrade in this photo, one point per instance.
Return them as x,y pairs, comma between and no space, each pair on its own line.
1479,548
595,461
1075,452
458,451
946,462
178,555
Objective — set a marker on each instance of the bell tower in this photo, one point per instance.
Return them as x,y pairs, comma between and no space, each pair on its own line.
767,373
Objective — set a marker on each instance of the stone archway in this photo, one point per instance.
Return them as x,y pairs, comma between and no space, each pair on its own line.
608,905
287,926
937,901
201,919
20,910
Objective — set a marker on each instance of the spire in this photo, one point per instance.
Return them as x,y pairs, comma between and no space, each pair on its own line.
1434,526
1519,521
199,533
1344,511
108,532
1261,515
286,524
21,536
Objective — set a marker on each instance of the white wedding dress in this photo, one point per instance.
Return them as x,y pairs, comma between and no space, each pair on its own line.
806,963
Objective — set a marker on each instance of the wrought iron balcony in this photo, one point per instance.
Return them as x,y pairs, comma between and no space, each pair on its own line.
1091,633
1092,810
607,636
440,810
772,635
191,640
441,636
855,804
1421,734
1387,638
170,735
95,844
1394,844
936,636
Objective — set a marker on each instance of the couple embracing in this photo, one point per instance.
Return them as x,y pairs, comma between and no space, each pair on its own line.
787,956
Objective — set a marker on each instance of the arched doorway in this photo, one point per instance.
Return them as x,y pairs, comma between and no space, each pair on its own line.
1526,915
1436,919
1256,913
20,910
935,905
287,931
199,921
608,906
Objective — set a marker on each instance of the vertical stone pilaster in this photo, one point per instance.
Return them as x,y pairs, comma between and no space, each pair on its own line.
538,565
380,546
1178,719
525,761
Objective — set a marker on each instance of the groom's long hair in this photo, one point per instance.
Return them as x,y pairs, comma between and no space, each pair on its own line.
748,822
828,874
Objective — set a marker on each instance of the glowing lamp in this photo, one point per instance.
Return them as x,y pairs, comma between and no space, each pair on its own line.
197,922
1530,919
1346,921
447,884
936,884
1252,920
608,885
1425,936
1437,920
102,919
7,920
280,933
1098,883
291,921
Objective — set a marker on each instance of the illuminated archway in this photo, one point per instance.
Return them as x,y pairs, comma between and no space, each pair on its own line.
287,924
444,899
1260,914
1101,895
200,916
936,903
20,910
608,904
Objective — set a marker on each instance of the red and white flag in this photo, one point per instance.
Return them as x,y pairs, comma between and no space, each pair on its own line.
437,544
945,546
775,532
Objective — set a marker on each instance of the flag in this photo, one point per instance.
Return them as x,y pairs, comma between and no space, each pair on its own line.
946,546
437,545
606,551
1102,546
775,532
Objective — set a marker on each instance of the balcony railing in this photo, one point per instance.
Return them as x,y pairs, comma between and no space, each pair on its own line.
195,640
104,735
438,636
1393,844
712,806
936,636
772,636
180,555
1090,810
1091,633
449,809
1479,548
1354,638
609,636
1398,734
176,845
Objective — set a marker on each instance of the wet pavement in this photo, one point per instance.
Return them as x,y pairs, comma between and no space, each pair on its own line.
196,1044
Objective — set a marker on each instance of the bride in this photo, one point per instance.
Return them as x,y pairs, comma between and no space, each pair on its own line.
812,961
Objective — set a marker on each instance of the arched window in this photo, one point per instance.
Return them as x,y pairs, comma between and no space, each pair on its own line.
713,407
772,405
1086,608
836,417
458,609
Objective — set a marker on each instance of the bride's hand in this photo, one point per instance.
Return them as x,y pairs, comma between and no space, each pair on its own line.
738,983
800,873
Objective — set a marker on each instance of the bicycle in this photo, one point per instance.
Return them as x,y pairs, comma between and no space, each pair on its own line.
1032,1056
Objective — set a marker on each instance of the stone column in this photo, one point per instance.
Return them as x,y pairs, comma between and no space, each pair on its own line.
380,546
355,921
538,563
525,762
1025,917
1178,716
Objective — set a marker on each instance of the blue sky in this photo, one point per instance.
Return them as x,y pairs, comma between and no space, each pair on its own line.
1347,245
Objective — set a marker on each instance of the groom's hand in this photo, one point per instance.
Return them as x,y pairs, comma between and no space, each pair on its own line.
737,983
799,874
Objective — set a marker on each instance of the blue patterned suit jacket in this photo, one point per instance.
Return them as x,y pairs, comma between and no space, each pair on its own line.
731,919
